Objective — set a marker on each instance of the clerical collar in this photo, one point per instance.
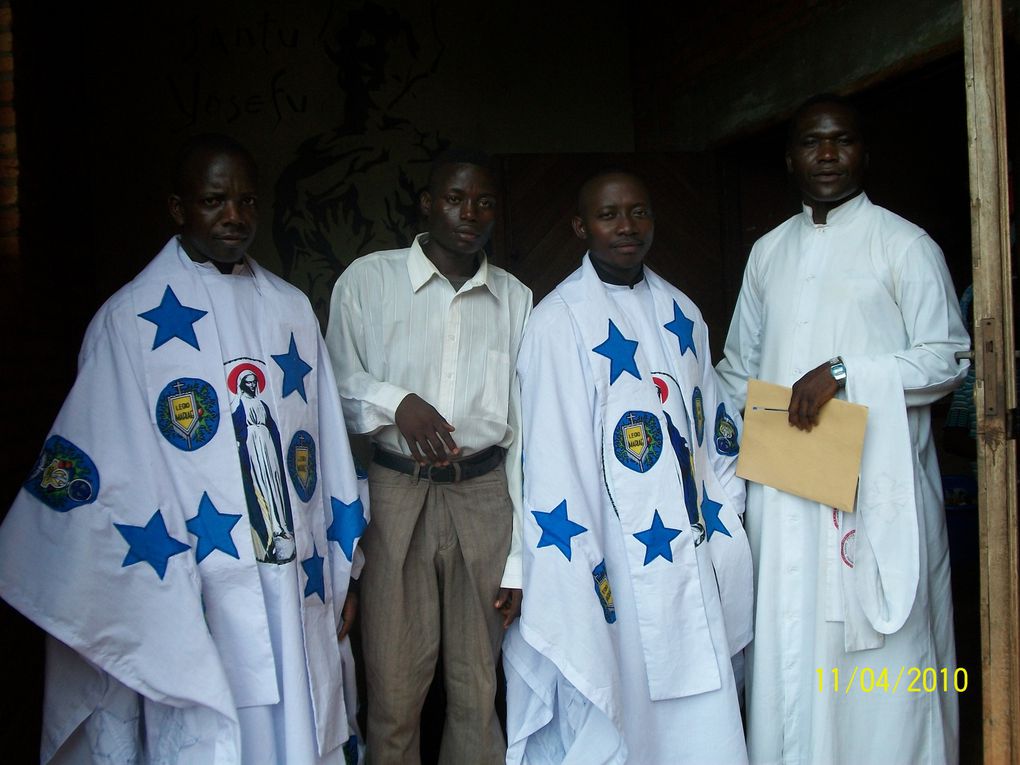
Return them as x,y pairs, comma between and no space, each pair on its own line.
840,213
240,268
609,279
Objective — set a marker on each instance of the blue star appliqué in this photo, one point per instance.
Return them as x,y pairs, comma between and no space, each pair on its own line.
150,544
173,320
620,352
313,570
683,328
348,524
295,369
710,512
656,540
212,529
557,529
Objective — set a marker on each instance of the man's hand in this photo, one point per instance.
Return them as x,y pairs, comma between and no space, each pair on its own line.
508,603
426,431
348,614
809,394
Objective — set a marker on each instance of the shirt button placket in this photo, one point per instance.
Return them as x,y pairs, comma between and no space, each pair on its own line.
448,366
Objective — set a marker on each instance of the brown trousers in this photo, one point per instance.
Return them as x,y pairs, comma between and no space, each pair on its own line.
434,557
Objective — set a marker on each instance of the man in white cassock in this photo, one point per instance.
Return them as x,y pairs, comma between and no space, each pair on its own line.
637,572
848,299
172,637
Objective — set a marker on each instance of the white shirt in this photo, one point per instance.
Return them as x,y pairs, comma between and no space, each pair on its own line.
397,326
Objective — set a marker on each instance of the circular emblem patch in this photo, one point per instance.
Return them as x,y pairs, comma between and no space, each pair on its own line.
698,406
725,433
301,464
188,413
637,440
846,548
64,477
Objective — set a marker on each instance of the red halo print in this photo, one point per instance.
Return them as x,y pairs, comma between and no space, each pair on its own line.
663,389
237,371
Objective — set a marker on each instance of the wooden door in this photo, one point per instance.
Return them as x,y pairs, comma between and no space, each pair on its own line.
995,380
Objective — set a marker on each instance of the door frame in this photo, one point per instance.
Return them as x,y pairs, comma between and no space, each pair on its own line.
995,378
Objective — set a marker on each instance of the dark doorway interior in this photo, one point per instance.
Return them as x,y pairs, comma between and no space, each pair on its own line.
712,206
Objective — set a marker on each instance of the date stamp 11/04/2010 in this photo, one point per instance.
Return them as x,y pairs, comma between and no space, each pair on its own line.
901,680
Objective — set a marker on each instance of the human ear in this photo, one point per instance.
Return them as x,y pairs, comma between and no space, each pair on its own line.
176,208
425,204
579,230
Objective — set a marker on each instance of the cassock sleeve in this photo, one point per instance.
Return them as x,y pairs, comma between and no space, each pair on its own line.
931,317
742,354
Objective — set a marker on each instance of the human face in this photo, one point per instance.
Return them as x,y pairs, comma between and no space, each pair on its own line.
460,208
216,208
617,223
827,157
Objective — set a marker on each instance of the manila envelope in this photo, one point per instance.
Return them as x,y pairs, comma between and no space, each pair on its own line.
823,465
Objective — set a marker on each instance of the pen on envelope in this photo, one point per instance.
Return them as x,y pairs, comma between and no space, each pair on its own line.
768,409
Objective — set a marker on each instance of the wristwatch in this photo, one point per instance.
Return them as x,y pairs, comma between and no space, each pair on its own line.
838,370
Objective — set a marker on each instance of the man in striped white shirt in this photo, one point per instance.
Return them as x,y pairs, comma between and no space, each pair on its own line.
424,343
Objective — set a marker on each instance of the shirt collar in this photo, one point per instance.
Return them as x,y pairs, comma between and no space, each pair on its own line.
420,269
841,214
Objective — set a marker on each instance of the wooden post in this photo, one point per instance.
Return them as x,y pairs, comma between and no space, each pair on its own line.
995,384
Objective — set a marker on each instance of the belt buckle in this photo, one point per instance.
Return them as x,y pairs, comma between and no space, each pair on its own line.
444,474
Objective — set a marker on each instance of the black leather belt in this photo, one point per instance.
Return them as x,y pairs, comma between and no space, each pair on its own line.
461,470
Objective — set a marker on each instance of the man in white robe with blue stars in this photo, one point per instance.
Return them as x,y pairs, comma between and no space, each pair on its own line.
185,626
637,572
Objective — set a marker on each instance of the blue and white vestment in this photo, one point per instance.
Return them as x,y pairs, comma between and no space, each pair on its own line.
637,572
132,543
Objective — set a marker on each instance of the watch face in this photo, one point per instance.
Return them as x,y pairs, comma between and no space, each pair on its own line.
838,370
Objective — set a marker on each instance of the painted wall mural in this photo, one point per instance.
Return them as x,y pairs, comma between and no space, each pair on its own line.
344,104
354,189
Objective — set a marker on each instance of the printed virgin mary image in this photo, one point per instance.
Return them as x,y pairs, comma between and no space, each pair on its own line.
258,446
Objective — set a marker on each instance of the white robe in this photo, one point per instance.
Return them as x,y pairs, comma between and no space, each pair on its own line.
622,652
869,590
130,543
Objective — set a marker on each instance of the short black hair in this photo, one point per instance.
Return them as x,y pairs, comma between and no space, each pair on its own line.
461,155
824,98
602,173
207,143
